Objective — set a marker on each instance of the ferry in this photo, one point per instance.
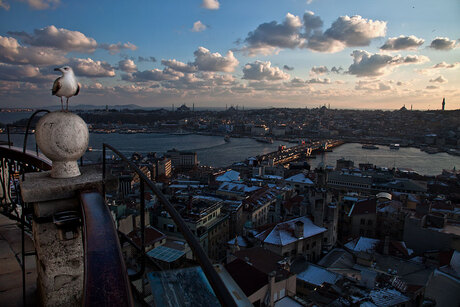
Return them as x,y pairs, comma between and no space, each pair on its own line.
265,140
394,146
369,146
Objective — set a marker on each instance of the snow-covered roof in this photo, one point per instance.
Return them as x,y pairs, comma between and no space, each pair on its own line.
317,275
299,178
283,233
387,297
230,175
240,241
366,244
237,187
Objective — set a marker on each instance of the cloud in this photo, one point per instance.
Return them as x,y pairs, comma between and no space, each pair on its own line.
127,65
198,26
263,71
272,35
12,52
319,81
443,43
115,48
432,87
58,38
210,4
319,70
207,61
146,59
439,79
445,65
152,75
92,69
179,66
336,70
4,5
345,31
366,64
402,43
42,4
296,82
372,86
355,30
22,73
311,23
289,68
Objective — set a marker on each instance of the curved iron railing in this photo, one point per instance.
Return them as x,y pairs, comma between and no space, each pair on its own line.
216,282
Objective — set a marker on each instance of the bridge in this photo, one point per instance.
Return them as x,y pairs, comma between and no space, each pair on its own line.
294,153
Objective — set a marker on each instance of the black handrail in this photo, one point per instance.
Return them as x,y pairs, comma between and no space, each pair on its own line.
106,281
216,282
28,126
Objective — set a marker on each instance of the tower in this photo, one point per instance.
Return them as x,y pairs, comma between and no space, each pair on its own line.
443,103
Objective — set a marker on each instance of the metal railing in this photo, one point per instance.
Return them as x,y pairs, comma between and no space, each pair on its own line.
215,281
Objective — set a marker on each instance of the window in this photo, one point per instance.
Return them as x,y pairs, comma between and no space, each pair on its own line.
369,222
363,221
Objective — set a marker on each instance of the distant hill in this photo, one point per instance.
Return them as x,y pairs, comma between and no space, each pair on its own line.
93,107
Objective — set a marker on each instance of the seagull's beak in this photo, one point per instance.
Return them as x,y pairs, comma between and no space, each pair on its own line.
57,69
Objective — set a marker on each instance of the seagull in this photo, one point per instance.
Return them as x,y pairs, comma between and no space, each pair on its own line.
66,85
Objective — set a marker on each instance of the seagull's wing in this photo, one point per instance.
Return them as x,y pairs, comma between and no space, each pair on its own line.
56,86
78,89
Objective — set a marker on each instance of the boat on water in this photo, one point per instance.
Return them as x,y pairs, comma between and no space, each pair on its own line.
394,146
265,140
181,132
369,146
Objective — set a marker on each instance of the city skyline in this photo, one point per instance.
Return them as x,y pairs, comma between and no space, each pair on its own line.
214,53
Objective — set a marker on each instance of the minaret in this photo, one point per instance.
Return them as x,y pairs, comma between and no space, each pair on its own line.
443,103
193,107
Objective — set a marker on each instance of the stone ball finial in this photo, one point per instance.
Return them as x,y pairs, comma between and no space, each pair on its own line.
62,137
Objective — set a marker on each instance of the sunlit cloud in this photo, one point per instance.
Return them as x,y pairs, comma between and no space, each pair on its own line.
210,4
198,26
402,43
263,71
443,43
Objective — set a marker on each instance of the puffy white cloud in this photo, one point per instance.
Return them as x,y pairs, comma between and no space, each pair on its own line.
127,65
210,4
319,70
12,52
179,66
263,71
198,26
272,35
90,68
366,64
356,30
443,43
439,79
207,61
311,23
42,4
403,43
344,32
115,48
58,38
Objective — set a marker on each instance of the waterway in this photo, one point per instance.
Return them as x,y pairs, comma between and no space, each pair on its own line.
214,151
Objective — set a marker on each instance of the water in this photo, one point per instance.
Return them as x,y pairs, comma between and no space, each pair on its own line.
214,151
11,117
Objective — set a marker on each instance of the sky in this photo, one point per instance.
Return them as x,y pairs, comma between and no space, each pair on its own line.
358,54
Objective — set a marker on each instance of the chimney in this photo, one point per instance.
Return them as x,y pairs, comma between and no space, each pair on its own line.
298,229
